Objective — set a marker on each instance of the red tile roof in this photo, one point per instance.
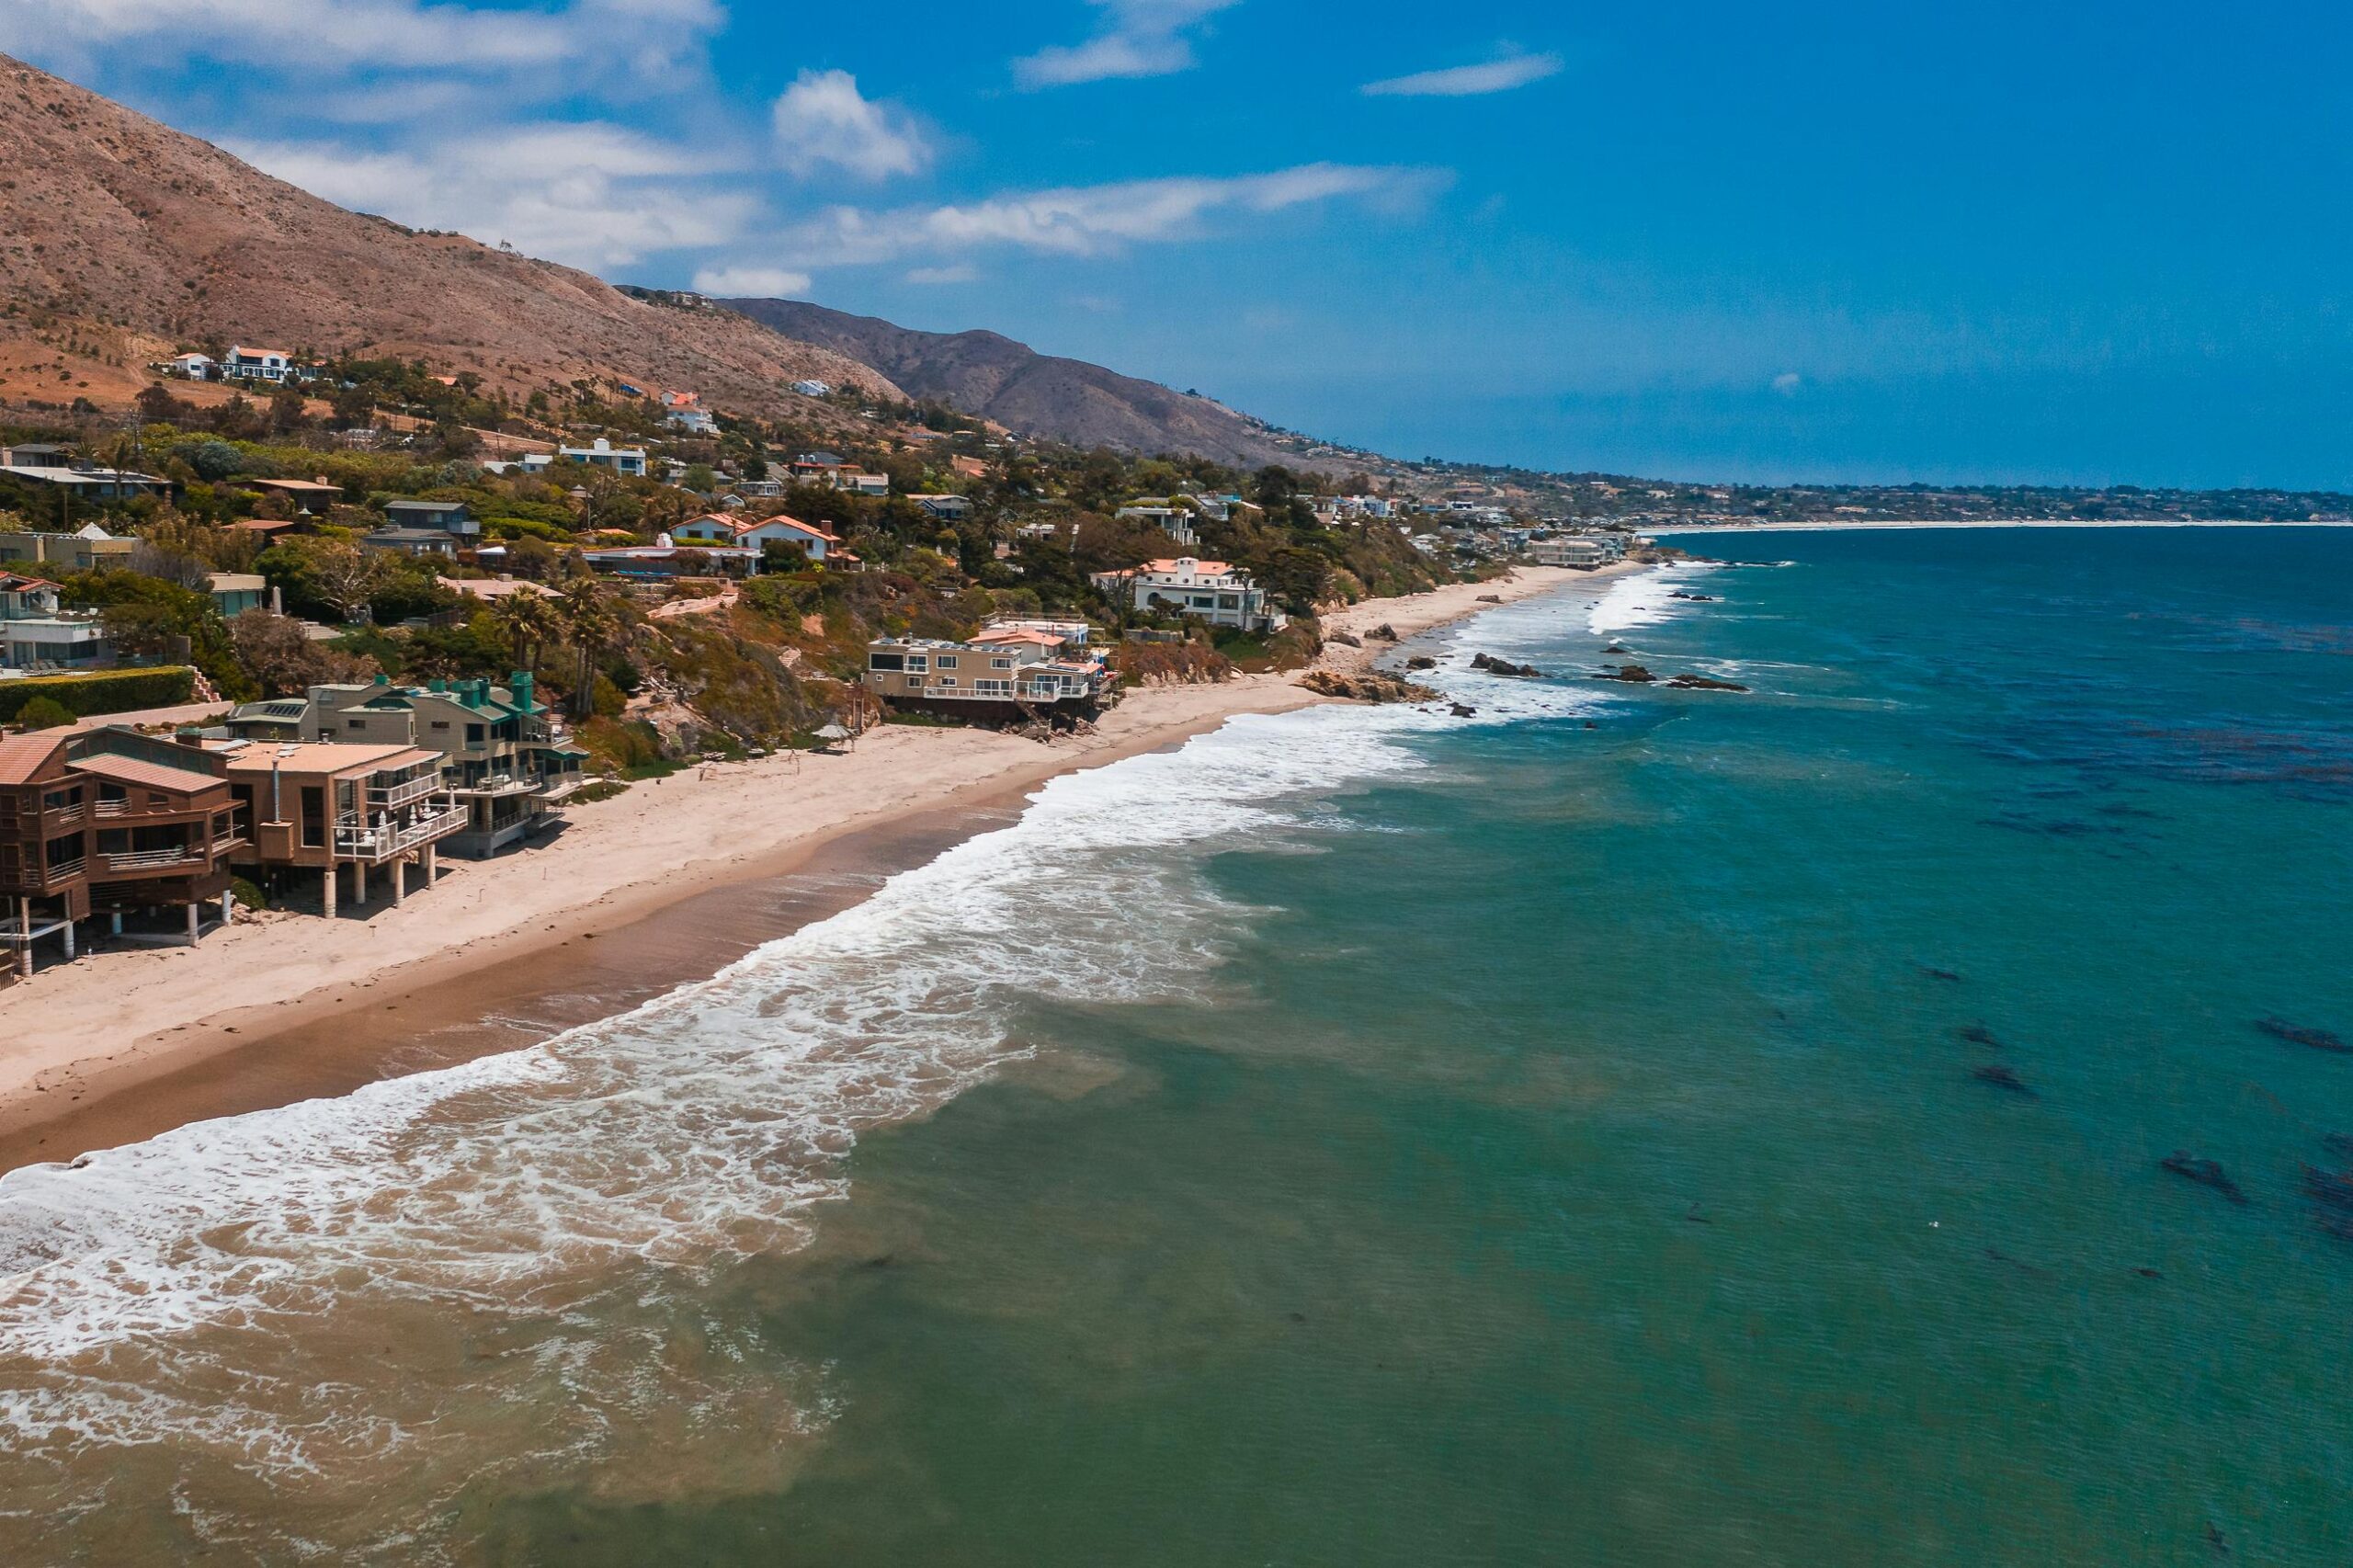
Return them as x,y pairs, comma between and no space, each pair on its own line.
21,756
152,774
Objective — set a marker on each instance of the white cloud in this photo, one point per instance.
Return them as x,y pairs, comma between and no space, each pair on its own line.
823,120
1468,81
643,36
1095,219
1138,38
934,275
592,194
751,282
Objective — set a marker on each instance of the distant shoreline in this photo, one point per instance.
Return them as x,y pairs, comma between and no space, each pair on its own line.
1879,525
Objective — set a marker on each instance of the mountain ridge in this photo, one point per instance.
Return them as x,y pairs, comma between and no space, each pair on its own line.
991,376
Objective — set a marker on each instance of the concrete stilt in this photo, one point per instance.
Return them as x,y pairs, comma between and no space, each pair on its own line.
228,907
428,863
360,884
69,941
25,925
399,868
192,918
114,923
327,880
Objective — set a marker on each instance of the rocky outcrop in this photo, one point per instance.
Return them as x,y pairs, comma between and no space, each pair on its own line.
1421,661
1384,632
1634,675
1491,598
1366,688
1496,666
1344,639
1695,598
2205,1173
1704,683
2302,1034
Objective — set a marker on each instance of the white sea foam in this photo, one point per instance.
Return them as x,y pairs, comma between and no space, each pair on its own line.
1642,599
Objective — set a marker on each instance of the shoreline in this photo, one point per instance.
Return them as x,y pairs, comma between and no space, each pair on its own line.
672,880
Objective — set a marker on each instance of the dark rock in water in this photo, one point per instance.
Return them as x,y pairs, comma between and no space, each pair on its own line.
1704,683
1694,1216
1634,673
1496,666
1978,1034
2205,1173
2298,1034
2214,1540
2330,1189
1462,710
1384,632
1591,726
1421,661
2148,1274
1615,648
1940,974
1367,688
1695,598
1344,639
1491,598
2003,1078
2337,1143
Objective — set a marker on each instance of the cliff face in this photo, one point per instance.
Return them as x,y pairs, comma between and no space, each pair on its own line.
992,376
145,238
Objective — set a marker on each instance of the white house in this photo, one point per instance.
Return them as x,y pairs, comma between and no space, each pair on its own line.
1212,590
813,389
35,635
1177,522
756,533
195,367
626,460
258,364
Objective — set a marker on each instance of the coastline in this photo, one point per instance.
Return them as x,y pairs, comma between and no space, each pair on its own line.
674,879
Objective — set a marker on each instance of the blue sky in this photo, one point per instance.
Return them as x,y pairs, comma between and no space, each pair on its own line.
1819,240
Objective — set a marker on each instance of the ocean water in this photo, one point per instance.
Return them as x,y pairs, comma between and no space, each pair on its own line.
1625,1126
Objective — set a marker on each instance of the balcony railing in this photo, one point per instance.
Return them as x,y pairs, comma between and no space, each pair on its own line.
65,870
392,797
112,808
153,859
375,842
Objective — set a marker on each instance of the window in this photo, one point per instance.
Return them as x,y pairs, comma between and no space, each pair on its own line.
355,724
946,681
474,734
918,663
886,662
946,661
440,724
314,816
1000,663
993,688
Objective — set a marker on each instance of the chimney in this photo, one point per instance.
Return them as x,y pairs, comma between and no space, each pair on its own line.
277,601
523,684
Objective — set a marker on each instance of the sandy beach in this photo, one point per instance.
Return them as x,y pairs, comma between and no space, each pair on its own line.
662,885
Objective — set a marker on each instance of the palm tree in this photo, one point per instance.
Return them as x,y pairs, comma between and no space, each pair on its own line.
528,621
592,621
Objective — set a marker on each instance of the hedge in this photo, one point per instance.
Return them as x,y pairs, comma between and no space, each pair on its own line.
108,691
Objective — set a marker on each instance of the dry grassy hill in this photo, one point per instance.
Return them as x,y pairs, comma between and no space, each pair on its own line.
122,238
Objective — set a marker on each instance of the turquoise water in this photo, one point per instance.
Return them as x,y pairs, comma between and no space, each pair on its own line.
1368,1137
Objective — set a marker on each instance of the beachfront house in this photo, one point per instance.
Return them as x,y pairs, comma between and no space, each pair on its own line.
1213,591
114,824
502,756
1003,671
333,807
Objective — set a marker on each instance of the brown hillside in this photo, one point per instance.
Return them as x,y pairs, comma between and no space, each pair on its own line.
987,374
122,239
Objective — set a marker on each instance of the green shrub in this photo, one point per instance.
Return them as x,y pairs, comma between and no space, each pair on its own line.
603,789
247,894
107,691
44,713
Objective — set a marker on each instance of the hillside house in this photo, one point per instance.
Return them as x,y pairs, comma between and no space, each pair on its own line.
946,508
444,516
628,461
813,388
88,549
665,558
36,634
759,533
108,821
411,541
1175,521
267,365
502,758
1213,591
233,593
194,366
309,495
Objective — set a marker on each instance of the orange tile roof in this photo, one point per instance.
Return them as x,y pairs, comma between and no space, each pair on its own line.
152,775
1203,568
327,757
21,756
